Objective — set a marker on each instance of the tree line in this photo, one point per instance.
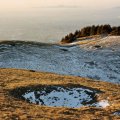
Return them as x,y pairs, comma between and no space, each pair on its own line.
91,30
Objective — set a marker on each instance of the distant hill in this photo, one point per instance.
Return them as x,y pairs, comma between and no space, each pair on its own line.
91,31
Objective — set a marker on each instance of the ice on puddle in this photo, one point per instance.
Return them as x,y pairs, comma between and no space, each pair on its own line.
60,97
65,97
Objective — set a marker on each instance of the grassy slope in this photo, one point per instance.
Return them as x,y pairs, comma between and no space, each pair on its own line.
13,109
107,41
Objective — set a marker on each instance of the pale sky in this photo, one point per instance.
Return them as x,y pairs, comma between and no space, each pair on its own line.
19,4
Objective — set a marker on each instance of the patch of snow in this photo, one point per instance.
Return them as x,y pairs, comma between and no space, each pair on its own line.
61,97
102,103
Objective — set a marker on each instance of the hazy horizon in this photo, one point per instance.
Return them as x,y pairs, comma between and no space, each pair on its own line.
88,4
50,20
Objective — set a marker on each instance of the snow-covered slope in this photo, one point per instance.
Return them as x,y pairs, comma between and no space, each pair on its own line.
104,42
99,63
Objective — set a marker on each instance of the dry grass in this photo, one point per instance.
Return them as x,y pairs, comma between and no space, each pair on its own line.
104,42
15,109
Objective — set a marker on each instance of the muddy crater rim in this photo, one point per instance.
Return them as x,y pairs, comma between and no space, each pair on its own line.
58,96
